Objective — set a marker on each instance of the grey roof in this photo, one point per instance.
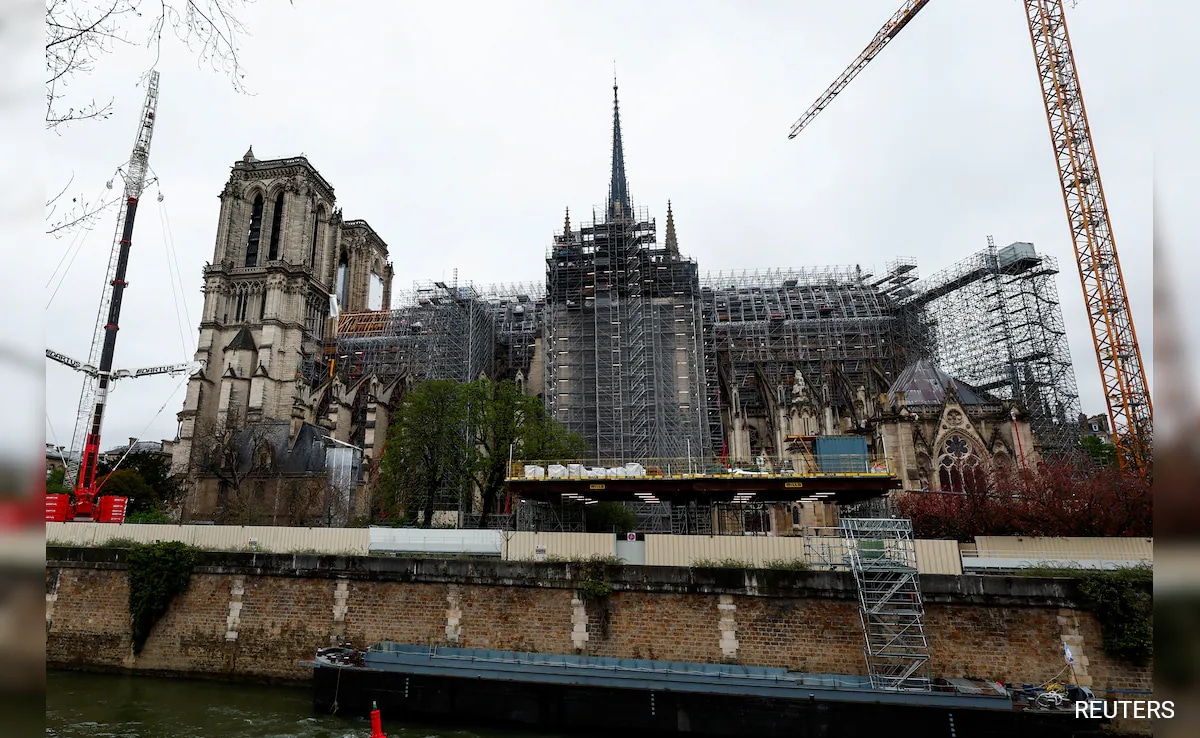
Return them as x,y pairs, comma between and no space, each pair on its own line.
303,454
137,447
924,384
243,341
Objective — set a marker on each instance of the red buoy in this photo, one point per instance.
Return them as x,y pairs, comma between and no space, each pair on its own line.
376,725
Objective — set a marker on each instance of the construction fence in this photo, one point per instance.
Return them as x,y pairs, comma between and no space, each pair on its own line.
822,551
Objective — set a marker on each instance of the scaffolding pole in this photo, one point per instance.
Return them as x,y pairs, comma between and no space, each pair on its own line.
622,340
998,326
834,326
882,555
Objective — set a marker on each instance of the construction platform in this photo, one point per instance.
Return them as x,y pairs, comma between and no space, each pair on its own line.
685,481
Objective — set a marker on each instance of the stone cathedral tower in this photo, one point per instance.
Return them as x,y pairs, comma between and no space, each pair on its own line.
283,262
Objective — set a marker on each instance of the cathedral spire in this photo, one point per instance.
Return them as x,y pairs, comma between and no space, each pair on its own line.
672,242
618,191
567,226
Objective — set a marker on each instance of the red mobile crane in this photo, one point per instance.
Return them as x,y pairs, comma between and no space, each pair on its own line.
1113,335
98,372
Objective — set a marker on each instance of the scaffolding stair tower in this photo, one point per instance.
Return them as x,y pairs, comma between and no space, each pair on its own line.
882,554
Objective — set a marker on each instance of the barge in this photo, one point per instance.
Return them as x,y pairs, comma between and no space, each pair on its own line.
589,695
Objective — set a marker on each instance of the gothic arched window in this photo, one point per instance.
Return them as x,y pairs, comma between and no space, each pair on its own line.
312,248
796,515
343,281
255,232
959,467
276,224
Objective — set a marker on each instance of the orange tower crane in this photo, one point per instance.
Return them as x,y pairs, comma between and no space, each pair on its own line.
1117,353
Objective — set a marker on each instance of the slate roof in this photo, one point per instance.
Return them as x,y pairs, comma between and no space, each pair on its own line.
138,447
304,454
243,341
924,384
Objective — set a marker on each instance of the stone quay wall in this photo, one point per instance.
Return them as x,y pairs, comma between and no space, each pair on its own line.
254,616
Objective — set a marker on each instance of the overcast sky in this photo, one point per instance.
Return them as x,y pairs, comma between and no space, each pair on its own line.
461,131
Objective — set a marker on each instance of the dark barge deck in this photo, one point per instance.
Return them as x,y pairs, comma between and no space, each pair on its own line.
588,695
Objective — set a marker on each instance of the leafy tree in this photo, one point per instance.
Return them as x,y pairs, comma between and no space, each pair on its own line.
447,436
1099,451
426,451
155,470
504,419
609,517
128,483
56,483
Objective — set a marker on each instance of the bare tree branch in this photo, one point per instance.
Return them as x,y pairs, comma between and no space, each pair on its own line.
80,32
78,213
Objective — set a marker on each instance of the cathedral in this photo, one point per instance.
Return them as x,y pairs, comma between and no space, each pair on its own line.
305,358
285,260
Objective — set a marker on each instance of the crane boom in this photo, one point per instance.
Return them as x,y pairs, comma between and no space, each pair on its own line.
85,445
1117,353
149,371
894,25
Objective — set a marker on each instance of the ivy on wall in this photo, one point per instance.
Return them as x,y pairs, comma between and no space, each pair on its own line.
1122,602
590,581
157,572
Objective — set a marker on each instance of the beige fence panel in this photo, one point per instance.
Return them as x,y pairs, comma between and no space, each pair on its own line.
522,545
96,534
670,550
348,541
1065,549
938,557
270,539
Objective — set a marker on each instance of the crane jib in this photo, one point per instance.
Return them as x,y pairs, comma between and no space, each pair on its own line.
1114,338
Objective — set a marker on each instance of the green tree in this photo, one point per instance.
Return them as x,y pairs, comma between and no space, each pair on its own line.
128,483
1102,453
609,517
426,451
155,470
504,419
56,483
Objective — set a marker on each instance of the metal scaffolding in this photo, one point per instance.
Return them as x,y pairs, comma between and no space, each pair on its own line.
438,331
835,326
882,555
622,338
516,311
998,326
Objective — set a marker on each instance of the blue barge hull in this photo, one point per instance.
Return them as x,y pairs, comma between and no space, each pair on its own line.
597,695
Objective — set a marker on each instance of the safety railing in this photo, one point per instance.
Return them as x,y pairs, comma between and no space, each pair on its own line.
840,465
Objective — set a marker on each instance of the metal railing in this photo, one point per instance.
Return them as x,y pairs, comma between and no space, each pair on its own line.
842,465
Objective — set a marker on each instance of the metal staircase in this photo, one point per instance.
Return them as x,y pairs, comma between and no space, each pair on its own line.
882,555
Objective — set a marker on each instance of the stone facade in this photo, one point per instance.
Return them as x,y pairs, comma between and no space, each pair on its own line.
284,261
941,434
256,617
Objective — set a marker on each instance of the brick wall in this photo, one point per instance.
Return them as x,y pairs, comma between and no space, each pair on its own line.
256,615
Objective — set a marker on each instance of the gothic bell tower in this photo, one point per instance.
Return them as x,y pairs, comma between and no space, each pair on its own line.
283,260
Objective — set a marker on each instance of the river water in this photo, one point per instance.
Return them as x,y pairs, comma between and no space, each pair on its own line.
111,706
